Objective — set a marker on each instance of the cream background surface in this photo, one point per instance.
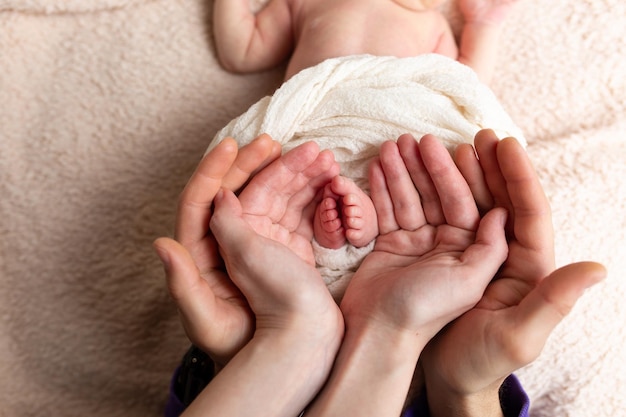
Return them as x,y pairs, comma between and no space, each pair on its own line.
107,106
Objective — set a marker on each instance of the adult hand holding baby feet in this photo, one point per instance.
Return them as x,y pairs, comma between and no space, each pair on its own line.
432,246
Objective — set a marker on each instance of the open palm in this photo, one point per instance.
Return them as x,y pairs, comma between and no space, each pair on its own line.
215,314
279,200
510,324
432,260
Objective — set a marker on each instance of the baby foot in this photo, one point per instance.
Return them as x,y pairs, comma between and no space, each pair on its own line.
358,213
327,225
345,213
486,11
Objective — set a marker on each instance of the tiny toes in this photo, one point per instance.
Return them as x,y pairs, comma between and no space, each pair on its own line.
329,215
354,222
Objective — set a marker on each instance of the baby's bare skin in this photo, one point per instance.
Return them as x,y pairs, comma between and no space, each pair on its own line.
333,28
306,32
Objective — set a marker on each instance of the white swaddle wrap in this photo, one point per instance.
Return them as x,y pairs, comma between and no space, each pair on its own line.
352,104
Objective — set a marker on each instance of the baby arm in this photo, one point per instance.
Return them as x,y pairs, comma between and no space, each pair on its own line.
481,34
248,42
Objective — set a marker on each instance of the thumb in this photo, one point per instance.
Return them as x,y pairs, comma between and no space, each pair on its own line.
555,296
227,224
192,295
181,272
490,247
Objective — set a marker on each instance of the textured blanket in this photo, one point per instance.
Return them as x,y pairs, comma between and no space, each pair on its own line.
106,107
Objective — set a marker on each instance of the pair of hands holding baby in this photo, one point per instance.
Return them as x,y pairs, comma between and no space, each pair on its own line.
464,242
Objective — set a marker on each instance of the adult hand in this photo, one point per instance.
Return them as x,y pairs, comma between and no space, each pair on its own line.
431,262
298,324
213,311
283,290
431,245
274,266
280,200
519,309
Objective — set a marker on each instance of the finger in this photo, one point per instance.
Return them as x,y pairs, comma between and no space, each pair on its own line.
490,248
486,143
246,254
198,306
467,161
544,307
457,202
429,200
530,209
323,169
251,158
183,278
411,155
269,191
407,206
303,204
285,188
232,232
381,198
194,205
486,254
306,187
227,212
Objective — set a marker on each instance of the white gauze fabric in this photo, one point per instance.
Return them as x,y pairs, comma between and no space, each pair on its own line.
351,105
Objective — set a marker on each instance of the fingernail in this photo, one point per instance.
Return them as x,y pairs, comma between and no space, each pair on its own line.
163,255
220,194
504,217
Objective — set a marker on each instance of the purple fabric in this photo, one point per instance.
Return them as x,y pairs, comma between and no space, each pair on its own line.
174,406
513,400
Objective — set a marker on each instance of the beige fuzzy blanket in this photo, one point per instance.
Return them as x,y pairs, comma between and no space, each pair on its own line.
106,106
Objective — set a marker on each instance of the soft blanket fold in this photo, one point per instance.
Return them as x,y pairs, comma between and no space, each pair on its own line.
352,104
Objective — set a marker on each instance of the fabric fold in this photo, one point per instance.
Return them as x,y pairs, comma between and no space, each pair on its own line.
351,105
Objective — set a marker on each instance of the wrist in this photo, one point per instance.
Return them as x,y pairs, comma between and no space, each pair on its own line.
365,382
443,402
305,333
373,335
279,369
